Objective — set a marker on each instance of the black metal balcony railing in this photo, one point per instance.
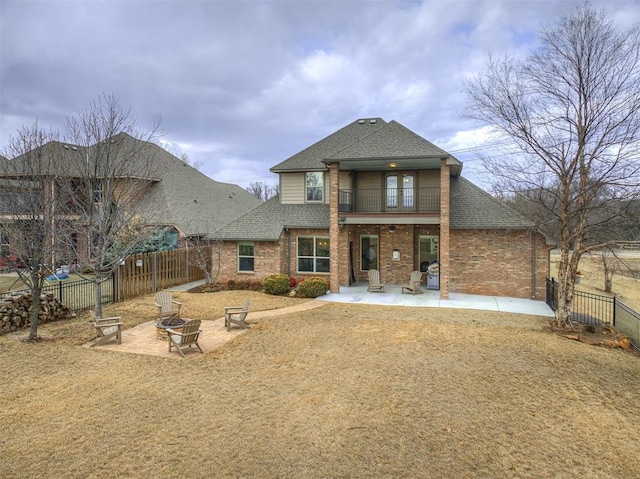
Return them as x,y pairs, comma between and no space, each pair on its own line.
391,200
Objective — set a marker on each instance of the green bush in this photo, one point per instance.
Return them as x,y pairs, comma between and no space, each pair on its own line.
276,284
313,287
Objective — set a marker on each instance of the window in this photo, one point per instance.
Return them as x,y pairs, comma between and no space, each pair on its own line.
97,191
4,243
369,255
315,186
245,256
392,191
313,254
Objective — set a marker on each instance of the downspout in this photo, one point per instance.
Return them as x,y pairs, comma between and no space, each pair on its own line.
288,232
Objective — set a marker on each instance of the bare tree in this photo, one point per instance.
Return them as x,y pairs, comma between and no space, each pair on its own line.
262,190
112,163
200,256
572,112
27,194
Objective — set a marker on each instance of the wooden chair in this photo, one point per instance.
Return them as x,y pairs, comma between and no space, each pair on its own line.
107,329
236,315
167,307
186,338
374,281
414,284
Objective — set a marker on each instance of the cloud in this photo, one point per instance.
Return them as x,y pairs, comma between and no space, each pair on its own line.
242,85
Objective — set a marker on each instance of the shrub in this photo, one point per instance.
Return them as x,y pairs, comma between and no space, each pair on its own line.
276,284
292,282
313,287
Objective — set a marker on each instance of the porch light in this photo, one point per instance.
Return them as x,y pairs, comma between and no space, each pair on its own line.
392,228
392,165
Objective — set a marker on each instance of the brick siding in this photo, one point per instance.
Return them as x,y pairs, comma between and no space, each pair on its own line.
497,262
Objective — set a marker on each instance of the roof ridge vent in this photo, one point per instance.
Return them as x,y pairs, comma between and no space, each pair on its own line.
373,121
361,122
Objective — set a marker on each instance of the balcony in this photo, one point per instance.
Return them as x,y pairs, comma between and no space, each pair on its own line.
390,200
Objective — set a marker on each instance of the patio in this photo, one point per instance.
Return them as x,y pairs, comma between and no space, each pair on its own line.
142,339
393,296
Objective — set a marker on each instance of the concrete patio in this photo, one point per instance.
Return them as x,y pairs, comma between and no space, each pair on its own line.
392,296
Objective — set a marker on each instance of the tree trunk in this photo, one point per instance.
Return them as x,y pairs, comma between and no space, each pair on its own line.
36,290
97,291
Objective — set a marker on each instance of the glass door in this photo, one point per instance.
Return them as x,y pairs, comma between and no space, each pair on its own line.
400,192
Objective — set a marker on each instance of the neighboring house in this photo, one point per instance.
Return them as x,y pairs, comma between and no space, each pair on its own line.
171,195
375,195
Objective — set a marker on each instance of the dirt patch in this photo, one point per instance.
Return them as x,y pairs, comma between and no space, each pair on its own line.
338,391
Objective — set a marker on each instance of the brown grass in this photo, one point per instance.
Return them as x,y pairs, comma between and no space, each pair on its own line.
341,391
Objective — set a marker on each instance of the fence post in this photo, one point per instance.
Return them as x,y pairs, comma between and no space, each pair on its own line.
154,271
187,259
614,312
60,291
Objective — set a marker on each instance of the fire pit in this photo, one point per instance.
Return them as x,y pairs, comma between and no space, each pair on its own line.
174,323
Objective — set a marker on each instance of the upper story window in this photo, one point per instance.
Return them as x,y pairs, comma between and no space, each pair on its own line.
315,186
98,192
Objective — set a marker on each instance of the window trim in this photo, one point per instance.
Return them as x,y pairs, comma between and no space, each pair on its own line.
315,256
252,256
362,253
307,187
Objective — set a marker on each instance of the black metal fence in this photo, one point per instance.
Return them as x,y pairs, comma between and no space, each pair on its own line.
76,295
598,309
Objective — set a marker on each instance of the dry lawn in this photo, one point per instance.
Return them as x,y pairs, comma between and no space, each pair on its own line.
343,391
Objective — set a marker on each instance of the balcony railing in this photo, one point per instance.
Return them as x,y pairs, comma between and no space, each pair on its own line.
390,200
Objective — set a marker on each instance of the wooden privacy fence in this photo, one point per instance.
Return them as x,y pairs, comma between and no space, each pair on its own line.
150,272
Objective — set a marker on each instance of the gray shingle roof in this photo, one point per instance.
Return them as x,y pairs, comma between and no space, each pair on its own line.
311,158
193,202
391,141
178,195
474,208
266,222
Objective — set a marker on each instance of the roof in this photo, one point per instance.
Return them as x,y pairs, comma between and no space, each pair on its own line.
190,200
362,142
391,142
267,221
474,208
311,158
178,194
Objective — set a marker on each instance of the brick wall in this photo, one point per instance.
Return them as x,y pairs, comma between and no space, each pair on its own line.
496,262
268,260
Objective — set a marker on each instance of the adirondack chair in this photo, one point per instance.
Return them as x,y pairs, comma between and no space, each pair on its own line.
107,329
167,307
186,338
414,284
374,281
236,315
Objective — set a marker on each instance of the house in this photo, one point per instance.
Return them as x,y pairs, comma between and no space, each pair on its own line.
375,195
169,194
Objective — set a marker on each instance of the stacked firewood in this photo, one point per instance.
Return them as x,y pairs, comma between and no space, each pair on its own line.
15,311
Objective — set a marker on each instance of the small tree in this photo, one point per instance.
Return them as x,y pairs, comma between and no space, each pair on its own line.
112,165
27,194
572,110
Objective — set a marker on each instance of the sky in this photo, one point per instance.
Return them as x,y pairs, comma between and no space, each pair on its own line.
241,85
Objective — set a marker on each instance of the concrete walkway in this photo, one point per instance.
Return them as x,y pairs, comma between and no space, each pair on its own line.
142,339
